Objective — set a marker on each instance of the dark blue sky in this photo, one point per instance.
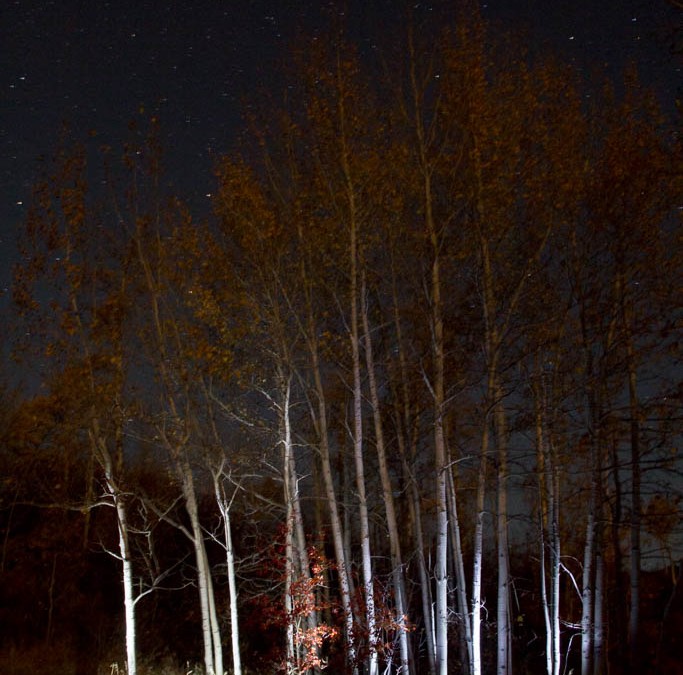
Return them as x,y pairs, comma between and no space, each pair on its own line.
93,64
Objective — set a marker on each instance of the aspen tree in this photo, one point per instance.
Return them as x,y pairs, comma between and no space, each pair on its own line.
89,292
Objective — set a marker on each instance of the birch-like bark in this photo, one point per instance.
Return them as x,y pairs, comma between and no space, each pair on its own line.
478,553
548,526
124,548
213,654
290,652
387,492
297,563
127,579
496,417
335,522
403,413
112,466
175,440
503,606
437,387
319,414
224,507
359,461
461,591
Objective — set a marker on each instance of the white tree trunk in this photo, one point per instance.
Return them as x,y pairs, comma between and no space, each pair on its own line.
437,385
404,413
224,507
289,571
104,458
296,543
127,574
335,522
440,461
463,607
504,665
319,419
549,505
555,557
478,554
387,493
368,582
425,584
213,656
232,587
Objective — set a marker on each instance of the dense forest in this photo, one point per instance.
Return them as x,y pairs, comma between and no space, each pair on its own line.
408,400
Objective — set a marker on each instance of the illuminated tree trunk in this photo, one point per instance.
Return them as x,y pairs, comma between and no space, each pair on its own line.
463,607
368,582
297,563
213,653
127,579
319,418
387,493
437,387
549,544
478,553
104,458
224,506
503,607
289,541
496,418
335,522
403,414
175,436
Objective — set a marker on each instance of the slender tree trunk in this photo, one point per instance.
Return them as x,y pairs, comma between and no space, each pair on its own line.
555,557
441,466
111,463
216,640
319,419
477,553
368,581
213,650
440,463
543,521
387,492
213,656
437,385
127,578
548,524
335,521
291,656
503,606
299,537
107,464
224,507
403,412
461,591
232,588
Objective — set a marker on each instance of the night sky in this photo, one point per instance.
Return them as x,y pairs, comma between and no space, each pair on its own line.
94,65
